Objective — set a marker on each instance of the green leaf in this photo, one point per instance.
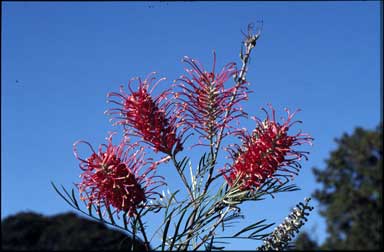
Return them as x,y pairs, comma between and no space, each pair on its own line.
74,198
61,195
68,195
193,178
168,221
233,217
110,215
173,195
261,229
204,164
90,211
183,163
231,202
125,221
250,227
134,224
99,213
237,194
177,228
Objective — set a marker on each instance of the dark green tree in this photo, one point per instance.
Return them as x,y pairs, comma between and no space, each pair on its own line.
32,231
304,242
351,194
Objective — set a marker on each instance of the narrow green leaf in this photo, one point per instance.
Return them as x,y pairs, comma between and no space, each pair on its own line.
231,202
168,221
237,195
125,221
250,227
110,215
187,222
233,217
99,213
173,195
70,197
177,229
193,179
183,163
74,198
61,195
66,192
261,229
202,165
134,223
90,211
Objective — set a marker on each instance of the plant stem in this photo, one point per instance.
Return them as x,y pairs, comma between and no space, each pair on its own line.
217,223
181,174
146,243
183,178
249,43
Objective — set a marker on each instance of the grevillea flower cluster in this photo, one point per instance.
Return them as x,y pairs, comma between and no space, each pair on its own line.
206,105
267,150
116,176
283,234
149,117
120,178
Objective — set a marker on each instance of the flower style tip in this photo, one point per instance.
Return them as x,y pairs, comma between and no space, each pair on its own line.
206,104
148,117
267,150
113,176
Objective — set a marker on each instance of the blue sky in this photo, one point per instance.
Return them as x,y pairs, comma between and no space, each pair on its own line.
60,59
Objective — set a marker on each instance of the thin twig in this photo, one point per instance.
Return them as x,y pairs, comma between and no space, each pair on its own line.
249,43
146,243
217,223
182,176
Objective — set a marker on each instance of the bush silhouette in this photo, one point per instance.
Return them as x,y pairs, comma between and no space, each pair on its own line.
32,231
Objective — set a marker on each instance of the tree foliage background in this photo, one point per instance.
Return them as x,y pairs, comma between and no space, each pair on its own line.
32,231
351,195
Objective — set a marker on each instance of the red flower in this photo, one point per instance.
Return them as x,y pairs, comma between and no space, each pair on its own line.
268,150
112,177
150,118
207,106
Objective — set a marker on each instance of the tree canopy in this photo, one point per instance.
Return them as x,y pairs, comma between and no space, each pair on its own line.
351,194
32,231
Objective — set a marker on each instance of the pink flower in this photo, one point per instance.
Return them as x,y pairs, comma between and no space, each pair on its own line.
150,118
112,177
207,106
269,149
